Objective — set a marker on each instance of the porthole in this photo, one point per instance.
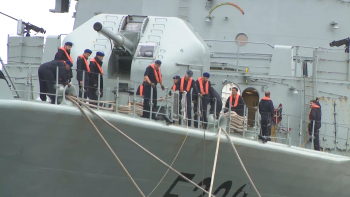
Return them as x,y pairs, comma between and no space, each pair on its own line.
242,38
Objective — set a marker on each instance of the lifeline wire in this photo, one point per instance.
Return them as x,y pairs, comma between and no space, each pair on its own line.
109,147
240,160
137,144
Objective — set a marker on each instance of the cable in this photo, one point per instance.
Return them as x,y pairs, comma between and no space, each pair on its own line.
137,144
240,160
106,143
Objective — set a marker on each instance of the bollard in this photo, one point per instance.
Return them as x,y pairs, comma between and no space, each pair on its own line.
151,104
83,87
99,91
57,70
117,96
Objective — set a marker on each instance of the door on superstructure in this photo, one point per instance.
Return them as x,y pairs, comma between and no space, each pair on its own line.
251,99
227,91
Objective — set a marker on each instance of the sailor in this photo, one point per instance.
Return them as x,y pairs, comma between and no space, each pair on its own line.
266,110
237,102
315,115
83,67
187,84
203,84
152,77
47,77
95,72
176,79
318,103
63,54
214,96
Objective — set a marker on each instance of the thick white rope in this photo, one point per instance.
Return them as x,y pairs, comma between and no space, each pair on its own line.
177,154
240,160
109,147
137,144
215,161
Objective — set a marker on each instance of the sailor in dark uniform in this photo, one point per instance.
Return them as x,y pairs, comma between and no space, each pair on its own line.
95,70
83,67
152,77
203,84
47,77
214,94
266,110
237,102
63,54
187,84
175,81
315,115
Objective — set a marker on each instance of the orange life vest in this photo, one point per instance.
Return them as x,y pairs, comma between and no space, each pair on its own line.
201,89
188,88
236,100
68,56
141,89
316,106
98,65
174,87
158,78
266,98
86,63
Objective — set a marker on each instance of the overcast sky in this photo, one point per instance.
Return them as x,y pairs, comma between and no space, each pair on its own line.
37,13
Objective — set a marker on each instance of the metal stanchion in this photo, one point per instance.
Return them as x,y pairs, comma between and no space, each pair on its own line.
287,130
117,96
199,111
134,100
244,117
56,96
151,104
229,118
98,91
83,87
214,113
300,130
312,136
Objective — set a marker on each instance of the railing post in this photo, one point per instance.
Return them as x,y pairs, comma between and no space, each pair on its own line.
56,96
199,111
83,87
229,118
214,113
256,125
192,122
98,91
134,100
172,104
29,82
287,130
183,108
347,141
166,103
244,117
312,136
300,130
117,96
151,104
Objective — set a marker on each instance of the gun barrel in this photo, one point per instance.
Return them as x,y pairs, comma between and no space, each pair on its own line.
118,39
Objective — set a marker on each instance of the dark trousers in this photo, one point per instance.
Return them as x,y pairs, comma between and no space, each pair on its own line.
203,105
47,83
187,109
93,96
317,139
146,101
85,93
265,127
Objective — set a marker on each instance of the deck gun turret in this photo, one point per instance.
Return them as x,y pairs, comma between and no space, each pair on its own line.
27,26
118,38
340,43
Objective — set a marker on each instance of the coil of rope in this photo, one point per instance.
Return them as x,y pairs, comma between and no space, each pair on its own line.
75,100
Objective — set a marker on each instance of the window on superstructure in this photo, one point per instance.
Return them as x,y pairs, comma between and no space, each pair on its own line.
242,39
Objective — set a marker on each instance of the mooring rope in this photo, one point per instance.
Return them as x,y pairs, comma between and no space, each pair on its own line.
107,144
240,160
137,144
215,161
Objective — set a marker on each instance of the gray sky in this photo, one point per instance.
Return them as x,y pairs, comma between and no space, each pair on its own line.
37,13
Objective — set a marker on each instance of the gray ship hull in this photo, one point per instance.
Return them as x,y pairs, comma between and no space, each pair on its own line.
48,150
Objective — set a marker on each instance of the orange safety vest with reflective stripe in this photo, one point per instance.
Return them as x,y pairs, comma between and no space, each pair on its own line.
141,90
188,88
68,56
86,63
158,78
200,80
98,65
236,100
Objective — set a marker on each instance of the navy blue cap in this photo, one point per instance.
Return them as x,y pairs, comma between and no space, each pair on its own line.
87,51
69,63
158,62
69,44
206,74
176,77
190,73
100,54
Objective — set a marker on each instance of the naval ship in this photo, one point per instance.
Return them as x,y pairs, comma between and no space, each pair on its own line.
257,45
